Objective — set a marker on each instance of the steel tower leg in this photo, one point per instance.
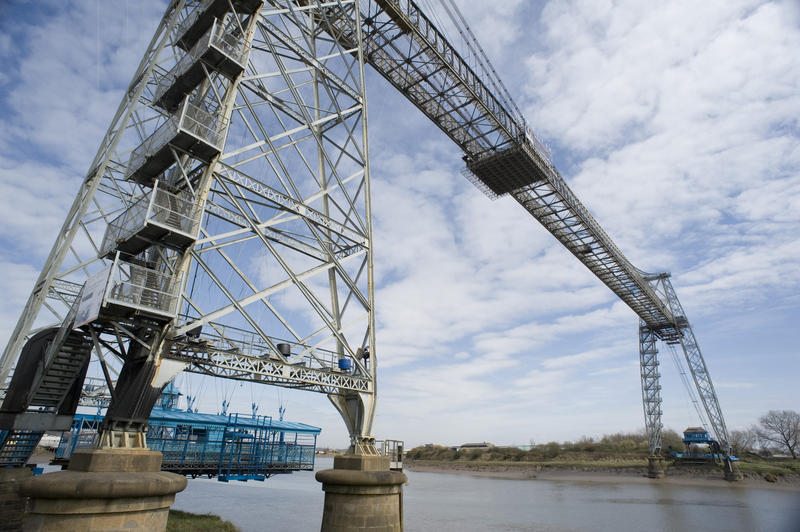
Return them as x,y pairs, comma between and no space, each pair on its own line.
699,370
651,388
357,409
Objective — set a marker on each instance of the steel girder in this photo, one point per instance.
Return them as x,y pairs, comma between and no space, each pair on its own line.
64,265
254,369
555,206
407,49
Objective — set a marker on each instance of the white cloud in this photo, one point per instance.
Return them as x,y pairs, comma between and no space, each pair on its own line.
582,359
735,385
18,281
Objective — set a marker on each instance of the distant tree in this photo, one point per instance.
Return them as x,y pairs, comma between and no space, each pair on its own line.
551,449
782,428
743,441
670,438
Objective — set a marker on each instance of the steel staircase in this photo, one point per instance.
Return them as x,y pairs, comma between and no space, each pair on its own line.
67,365
44,391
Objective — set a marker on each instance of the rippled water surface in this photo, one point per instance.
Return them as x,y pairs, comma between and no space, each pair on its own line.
444,502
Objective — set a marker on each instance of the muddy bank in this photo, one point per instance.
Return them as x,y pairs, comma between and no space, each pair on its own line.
604,475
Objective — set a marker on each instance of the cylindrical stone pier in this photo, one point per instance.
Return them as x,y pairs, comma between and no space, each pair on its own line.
361,494
655,466
104,489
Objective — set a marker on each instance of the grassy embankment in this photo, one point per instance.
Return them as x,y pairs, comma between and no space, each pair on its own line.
620,453
775,466
187,522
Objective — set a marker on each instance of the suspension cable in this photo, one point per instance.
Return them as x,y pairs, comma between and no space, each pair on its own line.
687,385
481,58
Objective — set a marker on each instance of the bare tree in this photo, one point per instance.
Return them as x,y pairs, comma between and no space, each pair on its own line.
781,427
743,441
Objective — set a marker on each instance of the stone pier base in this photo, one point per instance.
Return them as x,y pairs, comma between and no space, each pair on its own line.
12,503
655,467
361,494
732,472
104,489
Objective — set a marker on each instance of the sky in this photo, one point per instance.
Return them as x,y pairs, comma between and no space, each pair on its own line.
675,123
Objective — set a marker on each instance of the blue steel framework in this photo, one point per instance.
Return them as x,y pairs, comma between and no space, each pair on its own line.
231,447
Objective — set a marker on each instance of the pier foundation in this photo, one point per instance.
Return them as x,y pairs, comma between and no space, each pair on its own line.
361,494
732,472
12,502
655,467
104,489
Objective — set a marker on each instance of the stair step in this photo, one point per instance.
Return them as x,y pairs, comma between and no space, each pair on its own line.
49,399
55,384
43,392
47,395
49,392
64,376
60,375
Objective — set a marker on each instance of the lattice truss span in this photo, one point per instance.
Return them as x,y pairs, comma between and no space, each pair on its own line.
469,103
225,221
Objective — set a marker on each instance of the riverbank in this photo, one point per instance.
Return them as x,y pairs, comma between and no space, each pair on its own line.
179,521
629,472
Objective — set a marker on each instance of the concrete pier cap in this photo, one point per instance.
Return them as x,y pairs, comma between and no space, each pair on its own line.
104,489
362,493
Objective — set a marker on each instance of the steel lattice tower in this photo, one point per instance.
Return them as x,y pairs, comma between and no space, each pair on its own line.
224,226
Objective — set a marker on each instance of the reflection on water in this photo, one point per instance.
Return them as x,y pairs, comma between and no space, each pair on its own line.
443,502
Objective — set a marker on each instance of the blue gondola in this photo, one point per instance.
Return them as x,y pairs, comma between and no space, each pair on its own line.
230,447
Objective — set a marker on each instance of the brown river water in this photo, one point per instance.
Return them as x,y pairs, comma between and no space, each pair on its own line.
447,502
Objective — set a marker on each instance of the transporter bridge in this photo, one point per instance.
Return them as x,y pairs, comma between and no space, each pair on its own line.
242,134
